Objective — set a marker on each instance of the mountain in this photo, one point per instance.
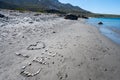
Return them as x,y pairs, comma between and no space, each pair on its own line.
41,5
5,5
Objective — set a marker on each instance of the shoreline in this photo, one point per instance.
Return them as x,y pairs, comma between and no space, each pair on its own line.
107,31
52,48
112,41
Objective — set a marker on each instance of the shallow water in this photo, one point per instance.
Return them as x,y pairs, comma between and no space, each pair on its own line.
110,27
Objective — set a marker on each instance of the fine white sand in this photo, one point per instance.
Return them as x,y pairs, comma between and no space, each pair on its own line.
48,47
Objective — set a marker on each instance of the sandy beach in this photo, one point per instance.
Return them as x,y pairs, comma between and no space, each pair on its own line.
37,46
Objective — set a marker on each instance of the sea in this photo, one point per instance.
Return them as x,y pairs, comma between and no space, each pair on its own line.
110,27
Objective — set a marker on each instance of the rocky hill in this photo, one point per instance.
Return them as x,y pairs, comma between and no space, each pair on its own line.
41,5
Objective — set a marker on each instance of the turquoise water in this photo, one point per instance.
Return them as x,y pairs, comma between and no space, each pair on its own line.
110,27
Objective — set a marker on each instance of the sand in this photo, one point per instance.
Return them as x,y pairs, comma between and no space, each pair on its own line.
48,47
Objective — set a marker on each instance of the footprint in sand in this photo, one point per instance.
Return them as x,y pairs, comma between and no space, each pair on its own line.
62,76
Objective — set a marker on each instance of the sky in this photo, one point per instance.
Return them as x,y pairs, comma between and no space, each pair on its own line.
97,6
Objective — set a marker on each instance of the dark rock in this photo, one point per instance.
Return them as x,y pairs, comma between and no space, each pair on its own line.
100,23
79,65
106,69
2,16
46,50
61,77
10,43
85,17
79,16
37,14
66,76
71,17
31,22
89,78
23,36
53,62
54,32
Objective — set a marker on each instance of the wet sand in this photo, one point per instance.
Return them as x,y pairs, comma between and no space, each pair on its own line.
48,47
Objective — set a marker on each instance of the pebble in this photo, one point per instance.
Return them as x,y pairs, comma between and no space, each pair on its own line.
54,32
18,54
23,67
105,69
